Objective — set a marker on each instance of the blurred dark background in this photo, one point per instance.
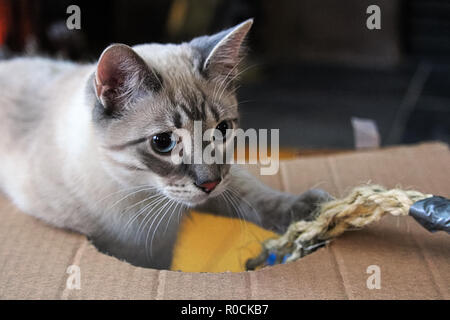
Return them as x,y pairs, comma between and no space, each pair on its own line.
313,64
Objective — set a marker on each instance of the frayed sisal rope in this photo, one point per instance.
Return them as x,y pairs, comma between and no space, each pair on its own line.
363,206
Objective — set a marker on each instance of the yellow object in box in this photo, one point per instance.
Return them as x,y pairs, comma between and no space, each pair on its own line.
208,243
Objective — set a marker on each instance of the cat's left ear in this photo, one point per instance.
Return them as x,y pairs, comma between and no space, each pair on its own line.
221,53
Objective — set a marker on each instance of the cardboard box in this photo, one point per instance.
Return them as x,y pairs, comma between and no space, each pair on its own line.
413,263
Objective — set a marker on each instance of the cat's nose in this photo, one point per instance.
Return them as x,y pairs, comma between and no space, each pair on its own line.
208,186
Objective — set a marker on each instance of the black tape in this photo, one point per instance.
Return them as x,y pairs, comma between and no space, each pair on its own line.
432,213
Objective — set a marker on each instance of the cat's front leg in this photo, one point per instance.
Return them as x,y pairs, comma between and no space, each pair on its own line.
300,207
247,197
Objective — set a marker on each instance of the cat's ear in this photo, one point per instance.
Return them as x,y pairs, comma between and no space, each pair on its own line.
122,76
222,52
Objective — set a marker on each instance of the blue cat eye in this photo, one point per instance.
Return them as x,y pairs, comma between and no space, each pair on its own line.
163,142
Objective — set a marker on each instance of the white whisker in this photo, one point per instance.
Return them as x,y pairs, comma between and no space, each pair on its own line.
236,209
154,203
119,191
129,195
171,202
257,216
149,215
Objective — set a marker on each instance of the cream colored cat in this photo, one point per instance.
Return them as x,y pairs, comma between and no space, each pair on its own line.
84,146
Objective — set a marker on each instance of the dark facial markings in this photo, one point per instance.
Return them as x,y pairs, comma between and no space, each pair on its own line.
159,166
203,111
197,114
191,114
125,145
177,120
214,112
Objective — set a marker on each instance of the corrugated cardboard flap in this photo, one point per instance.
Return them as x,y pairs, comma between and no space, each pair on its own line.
413,263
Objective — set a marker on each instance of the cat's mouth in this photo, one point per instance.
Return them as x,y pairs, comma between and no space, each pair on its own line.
195,195
188,201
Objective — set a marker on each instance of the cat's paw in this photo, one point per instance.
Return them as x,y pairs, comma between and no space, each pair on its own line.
303,208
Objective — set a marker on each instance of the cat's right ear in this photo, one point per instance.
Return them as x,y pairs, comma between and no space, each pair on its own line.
121,77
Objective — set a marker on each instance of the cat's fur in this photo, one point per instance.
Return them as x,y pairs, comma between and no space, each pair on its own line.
74,143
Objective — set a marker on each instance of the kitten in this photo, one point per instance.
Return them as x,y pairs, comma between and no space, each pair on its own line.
85,147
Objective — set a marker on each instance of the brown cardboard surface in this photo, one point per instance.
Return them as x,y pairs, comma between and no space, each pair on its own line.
414,264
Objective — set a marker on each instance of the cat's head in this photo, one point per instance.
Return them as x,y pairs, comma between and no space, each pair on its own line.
146,94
